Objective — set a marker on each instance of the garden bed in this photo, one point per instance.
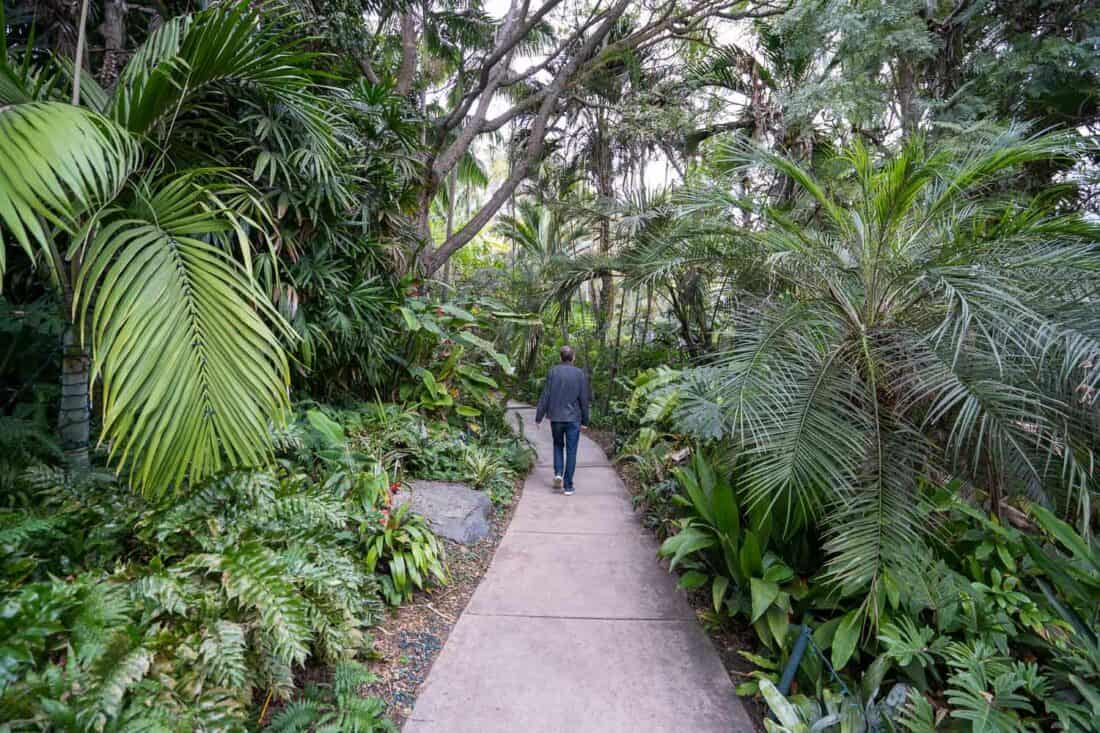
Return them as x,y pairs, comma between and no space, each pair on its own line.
408,640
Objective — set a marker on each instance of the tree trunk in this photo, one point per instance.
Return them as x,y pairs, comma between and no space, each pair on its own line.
113,29
604,187
410,42
614,371
74,418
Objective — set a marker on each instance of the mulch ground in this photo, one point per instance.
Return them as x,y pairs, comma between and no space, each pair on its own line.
728,640
408,641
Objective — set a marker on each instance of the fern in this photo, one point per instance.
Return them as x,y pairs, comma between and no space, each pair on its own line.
163,593
104,609
254,577
120,668
338,707
223,654
23,443
297,716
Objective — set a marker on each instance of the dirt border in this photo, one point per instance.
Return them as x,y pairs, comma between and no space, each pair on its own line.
410,638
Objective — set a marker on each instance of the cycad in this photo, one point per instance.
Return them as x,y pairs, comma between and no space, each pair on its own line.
929,325
147,241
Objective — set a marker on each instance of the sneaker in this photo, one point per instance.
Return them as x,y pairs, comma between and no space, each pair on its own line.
557,482
568,492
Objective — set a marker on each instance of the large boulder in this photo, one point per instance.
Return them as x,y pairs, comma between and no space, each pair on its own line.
453,510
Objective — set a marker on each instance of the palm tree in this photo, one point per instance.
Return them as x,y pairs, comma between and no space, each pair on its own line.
542,233
931,325
686,260
126,203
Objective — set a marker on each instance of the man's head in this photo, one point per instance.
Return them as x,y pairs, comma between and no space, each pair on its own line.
567,354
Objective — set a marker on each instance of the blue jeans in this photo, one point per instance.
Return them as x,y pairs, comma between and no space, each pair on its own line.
566,437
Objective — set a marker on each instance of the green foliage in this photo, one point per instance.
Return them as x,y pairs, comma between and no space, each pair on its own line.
451,356
336,706
180,613
147,237
722,549
224,593
405,552
886,359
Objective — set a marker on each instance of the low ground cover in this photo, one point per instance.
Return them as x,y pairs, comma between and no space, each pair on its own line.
250,601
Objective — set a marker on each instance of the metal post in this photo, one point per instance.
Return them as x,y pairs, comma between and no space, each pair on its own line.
795,658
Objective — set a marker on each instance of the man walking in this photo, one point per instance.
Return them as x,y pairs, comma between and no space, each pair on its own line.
565,400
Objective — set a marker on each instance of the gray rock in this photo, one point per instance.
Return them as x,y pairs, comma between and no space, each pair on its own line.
453,510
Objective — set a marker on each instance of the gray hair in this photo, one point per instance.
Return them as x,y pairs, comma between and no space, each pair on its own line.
567,353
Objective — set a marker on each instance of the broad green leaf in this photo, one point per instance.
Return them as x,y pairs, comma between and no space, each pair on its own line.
718,591
1066,536
846,638
825,633
763,593
411,321
472,339
460,313
684,543
476,375
692,579
785,712
751,562
778,624
332,431
760,661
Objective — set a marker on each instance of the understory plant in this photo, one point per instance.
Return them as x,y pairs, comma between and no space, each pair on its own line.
405,553
174,616
990,627
200,611
145,233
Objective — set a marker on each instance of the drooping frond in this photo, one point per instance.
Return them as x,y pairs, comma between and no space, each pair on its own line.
57,163
226,45
193,372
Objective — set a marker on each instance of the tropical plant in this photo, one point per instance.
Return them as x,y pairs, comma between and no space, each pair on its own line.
338,706
728,552
122,198
175,614
932,325
405,551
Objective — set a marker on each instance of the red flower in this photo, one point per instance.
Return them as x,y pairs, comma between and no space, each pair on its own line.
395,487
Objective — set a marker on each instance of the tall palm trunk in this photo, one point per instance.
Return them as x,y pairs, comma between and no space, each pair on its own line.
74,414
74,417
605,189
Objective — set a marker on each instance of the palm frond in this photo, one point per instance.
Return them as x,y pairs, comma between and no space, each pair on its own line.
58,164
226,45
156,281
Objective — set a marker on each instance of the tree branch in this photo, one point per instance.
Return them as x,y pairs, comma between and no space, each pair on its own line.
536,141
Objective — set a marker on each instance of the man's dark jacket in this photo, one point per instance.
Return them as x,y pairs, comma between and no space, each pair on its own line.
565,396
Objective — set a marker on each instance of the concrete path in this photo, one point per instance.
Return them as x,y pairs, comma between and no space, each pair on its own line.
575,627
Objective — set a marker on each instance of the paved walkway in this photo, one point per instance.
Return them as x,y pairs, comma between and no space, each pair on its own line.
575,627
